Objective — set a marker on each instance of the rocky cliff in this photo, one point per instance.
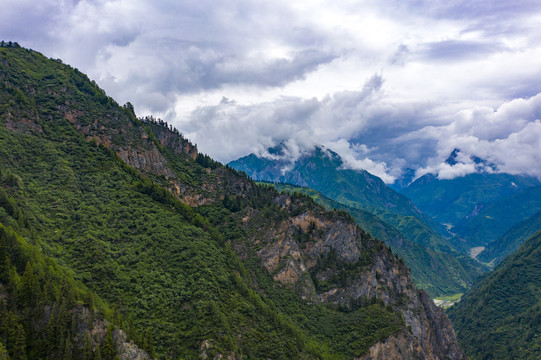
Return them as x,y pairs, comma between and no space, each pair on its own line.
326,258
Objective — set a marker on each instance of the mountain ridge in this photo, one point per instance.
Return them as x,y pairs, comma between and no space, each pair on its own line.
110,193
414,255
510,241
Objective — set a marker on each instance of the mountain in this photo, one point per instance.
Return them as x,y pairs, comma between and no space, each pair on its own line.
194,259
478,207
452,201
40,300
500,317
436,272
494,220
509,242
323,170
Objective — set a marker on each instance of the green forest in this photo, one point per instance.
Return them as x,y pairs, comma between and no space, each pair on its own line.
500,318
92,250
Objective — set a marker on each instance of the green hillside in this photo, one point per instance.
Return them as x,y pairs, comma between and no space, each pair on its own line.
195,259
434,271
500,317
42,308
493,221
509,242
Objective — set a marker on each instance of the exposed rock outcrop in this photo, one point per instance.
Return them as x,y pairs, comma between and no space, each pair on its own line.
313,246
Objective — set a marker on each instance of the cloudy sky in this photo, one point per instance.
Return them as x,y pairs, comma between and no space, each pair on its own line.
388,84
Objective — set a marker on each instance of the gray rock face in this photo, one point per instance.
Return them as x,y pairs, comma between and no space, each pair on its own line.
127,350
301,247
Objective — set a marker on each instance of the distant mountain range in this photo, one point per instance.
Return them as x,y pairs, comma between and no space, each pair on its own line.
476,208
323,170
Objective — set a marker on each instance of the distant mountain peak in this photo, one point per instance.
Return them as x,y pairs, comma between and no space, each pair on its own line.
457,156
452,159
277,150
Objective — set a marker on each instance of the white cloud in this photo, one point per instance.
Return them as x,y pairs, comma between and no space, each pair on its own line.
508,136
355,158
392,84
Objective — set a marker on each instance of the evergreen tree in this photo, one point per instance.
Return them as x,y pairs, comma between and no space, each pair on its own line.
149,343
97,353
87,348
67,349
3,352
17,342
29,285
108,350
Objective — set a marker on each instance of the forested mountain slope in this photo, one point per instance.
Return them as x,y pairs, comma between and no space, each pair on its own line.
494,220
451,201
44,312
509,242
500,318
189,252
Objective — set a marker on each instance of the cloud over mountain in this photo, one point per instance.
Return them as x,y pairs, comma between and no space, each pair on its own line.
390,85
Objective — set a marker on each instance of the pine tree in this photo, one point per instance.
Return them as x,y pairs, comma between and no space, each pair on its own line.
97,353
108,350
18,345
29,285
3,352
149,343
87,348
67,349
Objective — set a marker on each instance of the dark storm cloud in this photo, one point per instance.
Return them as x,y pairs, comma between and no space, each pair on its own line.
399,57
486,9
167,46
271,73
29,21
